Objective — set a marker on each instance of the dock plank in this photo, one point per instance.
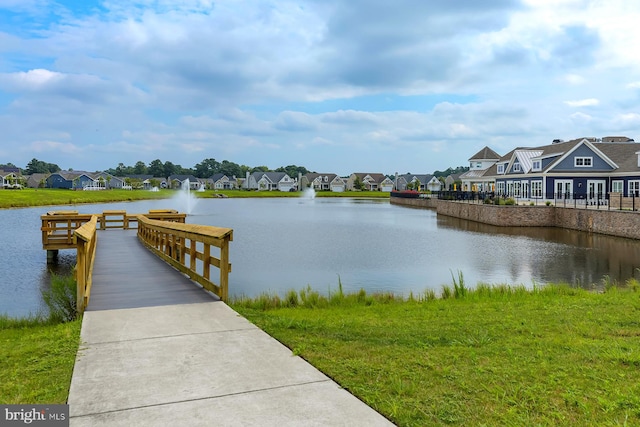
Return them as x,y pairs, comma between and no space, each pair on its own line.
128,275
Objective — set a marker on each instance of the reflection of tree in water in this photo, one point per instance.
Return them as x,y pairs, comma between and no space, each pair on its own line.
576,257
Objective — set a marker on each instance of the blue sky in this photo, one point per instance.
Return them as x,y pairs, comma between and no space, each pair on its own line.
336,86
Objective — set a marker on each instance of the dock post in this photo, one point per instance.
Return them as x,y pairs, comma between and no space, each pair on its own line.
52,256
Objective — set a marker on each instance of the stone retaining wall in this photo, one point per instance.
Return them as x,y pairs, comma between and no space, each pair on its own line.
610,222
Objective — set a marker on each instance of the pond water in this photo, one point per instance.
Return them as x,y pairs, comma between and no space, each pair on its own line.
283,244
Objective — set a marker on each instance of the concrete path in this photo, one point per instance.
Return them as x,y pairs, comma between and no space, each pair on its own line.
199,364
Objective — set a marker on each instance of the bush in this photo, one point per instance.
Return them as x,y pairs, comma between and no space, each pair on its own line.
510,202
61,298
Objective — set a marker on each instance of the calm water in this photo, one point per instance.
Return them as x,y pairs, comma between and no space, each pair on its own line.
282,244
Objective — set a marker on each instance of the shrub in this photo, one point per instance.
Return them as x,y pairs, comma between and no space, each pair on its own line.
510,201
61,298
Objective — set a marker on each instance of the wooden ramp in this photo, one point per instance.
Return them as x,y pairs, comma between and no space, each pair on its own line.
127,275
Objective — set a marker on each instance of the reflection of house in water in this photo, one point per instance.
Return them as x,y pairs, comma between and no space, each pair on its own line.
568,253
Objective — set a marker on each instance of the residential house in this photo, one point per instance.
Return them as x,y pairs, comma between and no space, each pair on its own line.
147,181
370,182
477,177
37,180
323,182
583,168
105,180
76,180
270,181
452,182
424,182
11,178
179,181
221,181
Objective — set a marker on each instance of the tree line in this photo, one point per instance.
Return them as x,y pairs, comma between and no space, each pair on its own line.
157,168
204,169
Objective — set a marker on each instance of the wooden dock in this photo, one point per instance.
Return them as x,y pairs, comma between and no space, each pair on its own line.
127,275
149,267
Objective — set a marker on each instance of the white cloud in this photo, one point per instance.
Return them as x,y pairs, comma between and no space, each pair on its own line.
574,79
242,80
590,102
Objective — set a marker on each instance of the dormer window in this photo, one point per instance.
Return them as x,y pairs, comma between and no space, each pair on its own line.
536,165
583,162
516,167
501,169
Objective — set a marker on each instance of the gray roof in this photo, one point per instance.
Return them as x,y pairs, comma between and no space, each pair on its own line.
485,154
271,176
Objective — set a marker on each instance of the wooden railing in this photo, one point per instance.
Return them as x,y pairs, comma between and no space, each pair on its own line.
85,239
187,247
58,226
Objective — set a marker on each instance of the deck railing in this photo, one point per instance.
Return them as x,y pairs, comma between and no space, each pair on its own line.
58,226
187,247
85,239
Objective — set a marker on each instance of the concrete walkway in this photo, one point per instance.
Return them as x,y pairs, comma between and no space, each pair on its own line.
199,364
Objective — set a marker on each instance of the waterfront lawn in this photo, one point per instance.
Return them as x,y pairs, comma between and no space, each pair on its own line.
507,356
30,197
37,359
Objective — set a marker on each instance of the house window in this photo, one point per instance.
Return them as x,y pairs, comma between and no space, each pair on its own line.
536,189
516,167
501,169
517,189
537,165
584,162
634,188
617,186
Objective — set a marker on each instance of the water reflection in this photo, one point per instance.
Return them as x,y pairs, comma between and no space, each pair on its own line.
283,244
552,254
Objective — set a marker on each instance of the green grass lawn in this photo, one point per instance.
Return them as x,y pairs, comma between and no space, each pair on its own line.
552,357
36,360
30,197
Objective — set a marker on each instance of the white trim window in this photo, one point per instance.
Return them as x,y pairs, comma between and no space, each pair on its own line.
583,162
536,166
634,188
500,187
536,189
517,189
516,167
617,186
501,169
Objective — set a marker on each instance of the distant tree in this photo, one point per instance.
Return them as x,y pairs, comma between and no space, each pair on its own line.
260,169
451,171
293,170
206,168
357,184
140,168
156,168
38,166
169,169
8,166
231,169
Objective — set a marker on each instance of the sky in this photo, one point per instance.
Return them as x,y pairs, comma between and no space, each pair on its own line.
337,86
